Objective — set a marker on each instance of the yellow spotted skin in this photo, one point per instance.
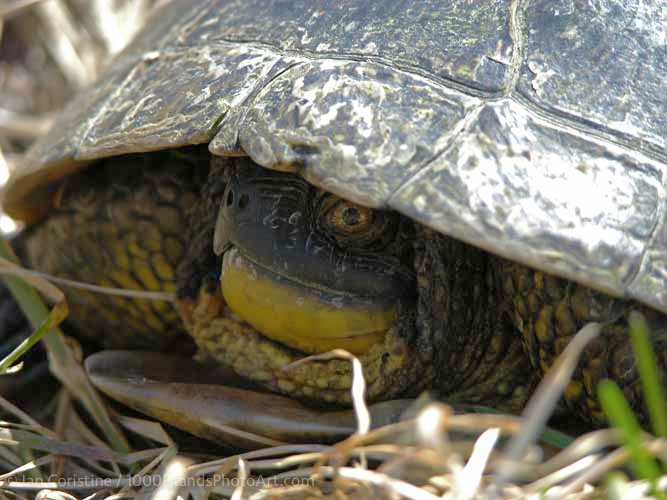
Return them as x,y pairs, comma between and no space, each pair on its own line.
548,312
390,367
122,224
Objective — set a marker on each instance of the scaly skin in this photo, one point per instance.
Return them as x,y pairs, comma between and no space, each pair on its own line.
548,311
462,335
461,320
389,366
122,224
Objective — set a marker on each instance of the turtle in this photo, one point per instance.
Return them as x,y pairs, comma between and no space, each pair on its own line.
447,191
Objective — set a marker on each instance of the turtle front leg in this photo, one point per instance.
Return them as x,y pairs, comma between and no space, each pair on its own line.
548,311
121,223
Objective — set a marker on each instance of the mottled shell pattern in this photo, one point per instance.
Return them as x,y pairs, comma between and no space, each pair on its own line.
535,129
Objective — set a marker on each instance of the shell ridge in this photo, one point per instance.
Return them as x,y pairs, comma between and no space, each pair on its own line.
589,128
462,127
562,118
396,64
227,140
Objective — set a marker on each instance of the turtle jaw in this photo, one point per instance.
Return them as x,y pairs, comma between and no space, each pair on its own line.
300,316
390,366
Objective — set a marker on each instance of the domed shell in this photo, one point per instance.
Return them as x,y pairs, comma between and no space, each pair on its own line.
535,130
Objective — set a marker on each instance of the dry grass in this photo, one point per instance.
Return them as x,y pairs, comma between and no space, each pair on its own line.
434,454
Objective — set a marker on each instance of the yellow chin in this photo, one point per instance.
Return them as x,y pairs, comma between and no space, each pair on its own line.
298,316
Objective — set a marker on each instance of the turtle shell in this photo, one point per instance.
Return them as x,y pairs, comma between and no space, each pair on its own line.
536,131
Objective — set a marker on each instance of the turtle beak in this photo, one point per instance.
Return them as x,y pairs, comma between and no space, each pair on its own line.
225,408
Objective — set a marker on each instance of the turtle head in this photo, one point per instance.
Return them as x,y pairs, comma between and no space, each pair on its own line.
301,271
307,268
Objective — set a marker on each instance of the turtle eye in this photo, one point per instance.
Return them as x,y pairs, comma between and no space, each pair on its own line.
349,219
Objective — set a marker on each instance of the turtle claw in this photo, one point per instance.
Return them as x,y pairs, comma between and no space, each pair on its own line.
192,397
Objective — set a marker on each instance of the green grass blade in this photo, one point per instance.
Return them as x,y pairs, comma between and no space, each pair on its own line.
620,415
53,319
556,438
648,374
62,362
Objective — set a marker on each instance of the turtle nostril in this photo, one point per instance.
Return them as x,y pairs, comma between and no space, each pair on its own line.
230,198
243,201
